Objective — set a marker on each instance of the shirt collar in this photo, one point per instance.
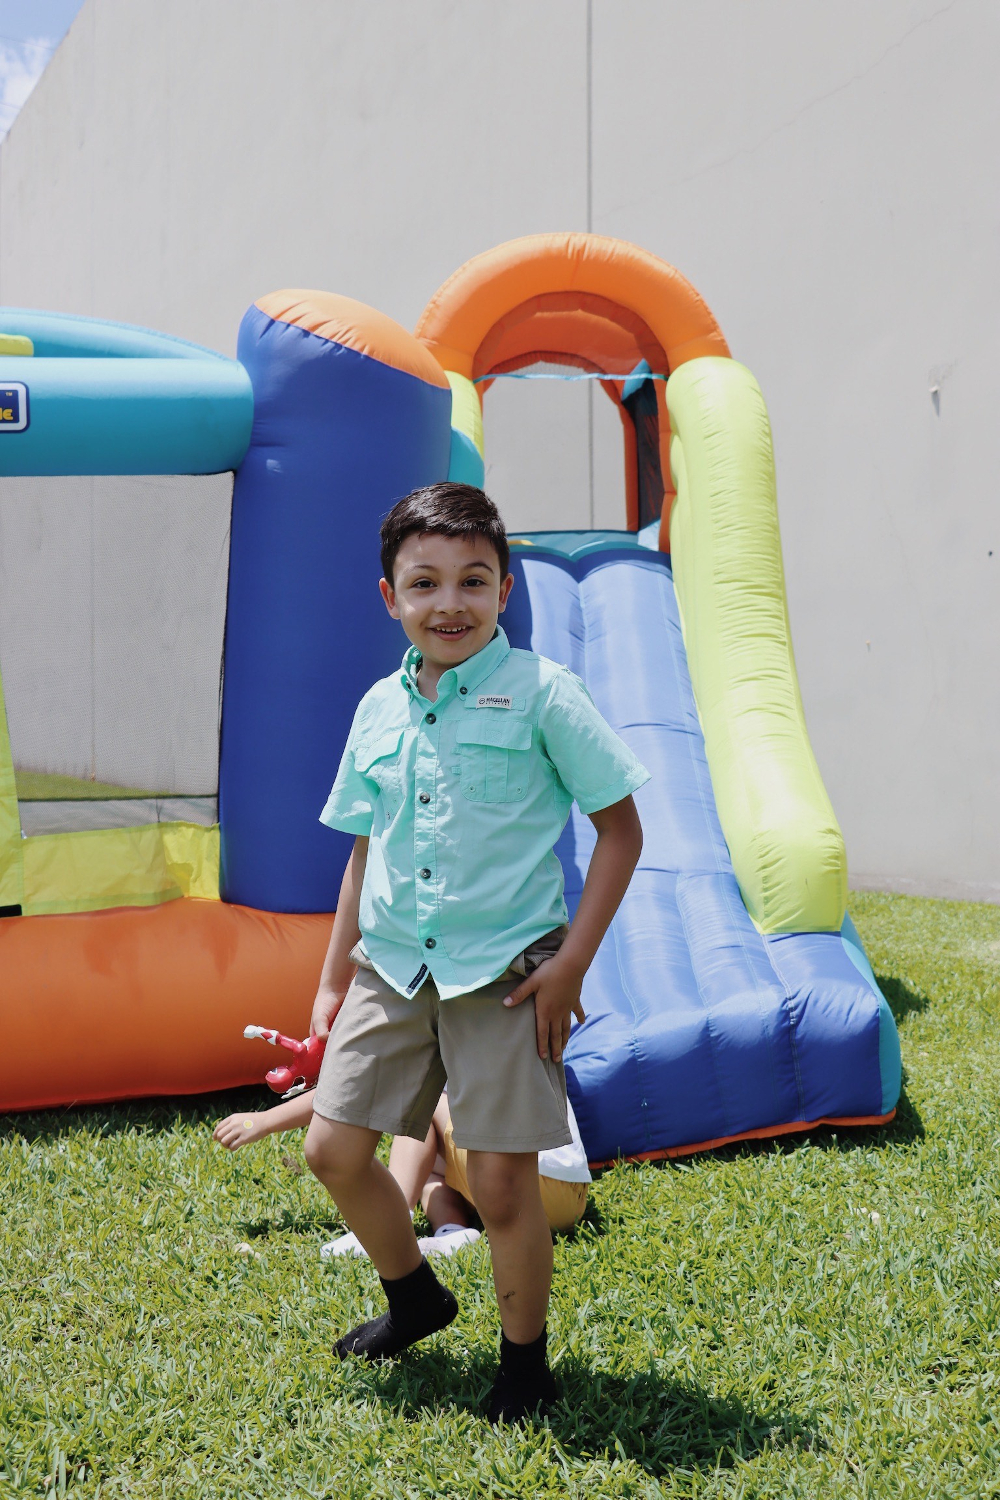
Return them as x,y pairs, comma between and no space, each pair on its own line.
468,674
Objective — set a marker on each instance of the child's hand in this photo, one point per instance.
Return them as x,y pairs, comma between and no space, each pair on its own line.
235,1130
324,1012
555,985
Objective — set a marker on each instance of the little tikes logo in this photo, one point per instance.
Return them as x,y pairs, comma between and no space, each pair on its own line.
13,408
493,700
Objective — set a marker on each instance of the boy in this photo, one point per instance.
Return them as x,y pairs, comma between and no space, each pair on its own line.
457,779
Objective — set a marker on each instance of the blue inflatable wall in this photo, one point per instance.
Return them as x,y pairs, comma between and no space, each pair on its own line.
350,413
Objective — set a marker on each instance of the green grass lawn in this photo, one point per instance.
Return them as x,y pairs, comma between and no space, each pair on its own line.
811,1318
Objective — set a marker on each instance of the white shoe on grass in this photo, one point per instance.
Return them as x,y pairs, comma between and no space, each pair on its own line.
448,1239
346,1244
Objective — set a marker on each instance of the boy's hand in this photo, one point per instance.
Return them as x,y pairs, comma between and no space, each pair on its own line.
555,985
235,1130
328,1001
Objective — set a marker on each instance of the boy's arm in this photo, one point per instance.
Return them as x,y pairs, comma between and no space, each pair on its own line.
338,971
556,983
237,1130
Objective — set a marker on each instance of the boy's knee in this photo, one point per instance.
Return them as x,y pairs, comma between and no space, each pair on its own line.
332,1154
503,1186
316,1150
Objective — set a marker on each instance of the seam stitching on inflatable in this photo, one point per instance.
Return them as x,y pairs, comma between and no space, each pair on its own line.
386,364
669,626
792,1037
633,1038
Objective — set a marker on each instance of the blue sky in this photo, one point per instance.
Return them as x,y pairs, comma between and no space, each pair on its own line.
30,31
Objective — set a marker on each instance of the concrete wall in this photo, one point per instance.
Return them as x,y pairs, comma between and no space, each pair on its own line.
825,175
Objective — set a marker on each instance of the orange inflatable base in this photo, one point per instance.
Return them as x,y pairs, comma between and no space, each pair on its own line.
144,1001
766,1132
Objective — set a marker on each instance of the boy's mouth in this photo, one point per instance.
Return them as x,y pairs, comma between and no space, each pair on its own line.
450,632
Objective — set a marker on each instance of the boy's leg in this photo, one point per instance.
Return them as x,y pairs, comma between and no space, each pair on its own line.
343,1158
506,1194
507,1105
505,1189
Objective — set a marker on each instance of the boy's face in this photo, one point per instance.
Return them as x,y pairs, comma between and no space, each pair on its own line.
447,592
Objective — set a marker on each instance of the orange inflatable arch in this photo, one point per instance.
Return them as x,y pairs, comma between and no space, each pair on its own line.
599,304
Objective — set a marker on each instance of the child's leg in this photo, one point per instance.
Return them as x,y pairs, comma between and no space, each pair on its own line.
343,1158
506,1194
412,1164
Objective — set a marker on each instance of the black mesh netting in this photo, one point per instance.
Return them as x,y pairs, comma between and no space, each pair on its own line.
112,608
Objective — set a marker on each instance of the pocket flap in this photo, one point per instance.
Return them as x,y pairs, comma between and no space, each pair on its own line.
486,727
367,754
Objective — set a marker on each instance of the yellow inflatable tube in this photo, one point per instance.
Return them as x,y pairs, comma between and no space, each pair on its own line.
786,846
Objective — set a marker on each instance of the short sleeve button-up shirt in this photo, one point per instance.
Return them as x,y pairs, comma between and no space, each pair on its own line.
462,800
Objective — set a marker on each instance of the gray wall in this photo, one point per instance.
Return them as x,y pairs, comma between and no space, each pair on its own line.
826,175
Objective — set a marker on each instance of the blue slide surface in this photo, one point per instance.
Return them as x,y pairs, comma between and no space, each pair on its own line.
698,1027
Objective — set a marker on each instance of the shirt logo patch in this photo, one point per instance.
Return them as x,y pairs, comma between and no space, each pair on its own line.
416,981
493,700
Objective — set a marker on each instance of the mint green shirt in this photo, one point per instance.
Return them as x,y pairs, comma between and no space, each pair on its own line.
463,800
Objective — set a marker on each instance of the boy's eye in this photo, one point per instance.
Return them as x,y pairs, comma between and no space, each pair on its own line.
475,582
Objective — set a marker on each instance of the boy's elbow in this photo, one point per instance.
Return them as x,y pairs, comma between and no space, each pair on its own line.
620,825
635,838
629,829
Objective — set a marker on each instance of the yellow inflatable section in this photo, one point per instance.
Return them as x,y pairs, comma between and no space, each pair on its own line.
786,845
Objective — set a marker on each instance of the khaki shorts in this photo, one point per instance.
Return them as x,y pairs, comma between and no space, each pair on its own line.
563,1202
389,1058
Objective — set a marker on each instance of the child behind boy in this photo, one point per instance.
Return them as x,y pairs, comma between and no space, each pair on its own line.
457,779
433,1173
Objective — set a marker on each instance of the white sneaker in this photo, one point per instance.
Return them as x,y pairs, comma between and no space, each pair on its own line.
448,1239
347,1244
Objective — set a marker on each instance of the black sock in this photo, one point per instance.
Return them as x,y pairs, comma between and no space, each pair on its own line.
524,1382
418,1305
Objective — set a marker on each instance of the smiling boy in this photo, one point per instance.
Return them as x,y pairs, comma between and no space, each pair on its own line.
450,958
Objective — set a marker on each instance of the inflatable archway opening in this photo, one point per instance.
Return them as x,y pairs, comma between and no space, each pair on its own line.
596,304
731,997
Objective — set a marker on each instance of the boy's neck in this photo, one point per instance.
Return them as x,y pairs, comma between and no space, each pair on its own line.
429,673
428,677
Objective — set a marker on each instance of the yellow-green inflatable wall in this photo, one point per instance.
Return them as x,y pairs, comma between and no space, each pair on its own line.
786,846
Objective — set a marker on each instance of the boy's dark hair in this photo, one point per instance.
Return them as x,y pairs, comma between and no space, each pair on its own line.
445,509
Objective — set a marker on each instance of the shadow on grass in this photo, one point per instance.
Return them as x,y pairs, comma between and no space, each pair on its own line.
902,1000
659,1424
289,1222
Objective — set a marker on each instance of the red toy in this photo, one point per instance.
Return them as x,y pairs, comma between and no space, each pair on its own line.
291,1079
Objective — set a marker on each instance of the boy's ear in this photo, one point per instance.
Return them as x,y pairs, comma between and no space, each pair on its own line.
388,593
505,589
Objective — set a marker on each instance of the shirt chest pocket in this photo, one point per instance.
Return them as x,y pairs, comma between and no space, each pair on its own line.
494,758
379,761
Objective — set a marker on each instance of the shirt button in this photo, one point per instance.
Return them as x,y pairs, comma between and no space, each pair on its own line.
430,943
432,718
424,797
425,874
463,691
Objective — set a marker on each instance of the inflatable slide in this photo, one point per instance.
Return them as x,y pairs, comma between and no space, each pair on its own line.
164,878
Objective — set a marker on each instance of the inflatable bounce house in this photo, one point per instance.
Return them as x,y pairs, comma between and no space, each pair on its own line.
189,615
